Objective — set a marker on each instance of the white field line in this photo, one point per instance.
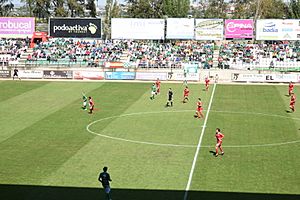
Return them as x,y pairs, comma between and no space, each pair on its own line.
199,146
191,145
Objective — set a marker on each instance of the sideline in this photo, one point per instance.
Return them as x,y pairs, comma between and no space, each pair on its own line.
220,82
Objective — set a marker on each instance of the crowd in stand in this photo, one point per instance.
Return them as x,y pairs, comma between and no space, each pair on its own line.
150,53
90,52
166,54
11,49
243,53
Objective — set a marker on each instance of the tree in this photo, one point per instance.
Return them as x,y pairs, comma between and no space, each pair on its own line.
244,9
199,8
59,10
175,8
272,9
6,7
144,8
92,7
29,4
112,10
75,7
41,9
216,9
294,9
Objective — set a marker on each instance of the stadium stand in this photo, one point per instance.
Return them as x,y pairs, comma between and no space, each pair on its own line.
11,50
75,52
279,56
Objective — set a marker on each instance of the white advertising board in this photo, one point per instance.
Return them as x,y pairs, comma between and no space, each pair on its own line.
30,74
280,78
180,28
189,77
278,29
133,28
209,29
151,76
88,75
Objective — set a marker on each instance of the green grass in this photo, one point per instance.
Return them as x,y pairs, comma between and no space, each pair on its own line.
44,141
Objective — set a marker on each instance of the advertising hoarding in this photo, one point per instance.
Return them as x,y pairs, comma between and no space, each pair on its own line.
281,78
180,28
56,74
268,29
134,28
185,77
30,74
75,27
5,73
120,75
16,27
88,75
239,28
151,76
209,29
278,29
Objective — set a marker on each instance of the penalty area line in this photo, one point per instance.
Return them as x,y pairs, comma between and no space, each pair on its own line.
188,185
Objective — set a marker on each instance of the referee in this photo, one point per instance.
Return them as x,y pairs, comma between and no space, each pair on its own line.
170,98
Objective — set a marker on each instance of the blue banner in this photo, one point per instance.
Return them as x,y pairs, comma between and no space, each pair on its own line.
120,75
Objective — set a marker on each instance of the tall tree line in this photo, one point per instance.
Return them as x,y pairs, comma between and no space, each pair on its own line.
47,8
236,9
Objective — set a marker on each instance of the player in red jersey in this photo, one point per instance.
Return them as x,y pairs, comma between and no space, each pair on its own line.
292,102
291,88
206,83
91,104
199,111
219,137
186,93
157,83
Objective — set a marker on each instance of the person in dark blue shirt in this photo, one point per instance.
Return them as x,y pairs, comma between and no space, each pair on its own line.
104,178
170,98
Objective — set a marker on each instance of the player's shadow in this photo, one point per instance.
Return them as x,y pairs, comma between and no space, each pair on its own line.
288,111
35,192
287,95
212,152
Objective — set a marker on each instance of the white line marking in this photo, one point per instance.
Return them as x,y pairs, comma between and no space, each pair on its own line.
199,145
190,145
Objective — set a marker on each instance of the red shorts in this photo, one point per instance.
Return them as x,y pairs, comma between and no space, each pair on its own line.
219,144
199,109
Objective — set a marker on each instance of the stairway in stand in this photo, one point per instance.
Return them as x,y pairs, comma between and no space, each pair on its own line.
23,58
124,57
215,58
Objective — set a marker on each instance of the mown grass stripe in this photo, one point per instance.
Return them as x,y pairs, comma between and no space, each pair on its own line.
10,89
38,150
22,111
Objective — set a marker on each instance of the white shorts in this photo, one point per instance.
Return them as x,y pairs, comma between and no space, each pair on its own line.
84,103
152,93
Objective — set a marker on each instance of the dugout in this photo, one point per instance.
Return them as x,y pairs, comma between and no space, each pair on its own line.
38,37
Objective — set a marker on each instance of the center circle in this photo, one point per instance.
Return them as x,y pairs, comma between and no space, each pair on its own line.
172,144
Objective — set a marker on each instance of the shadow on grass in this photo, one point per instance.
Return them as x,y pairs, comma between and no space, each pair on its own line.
28,192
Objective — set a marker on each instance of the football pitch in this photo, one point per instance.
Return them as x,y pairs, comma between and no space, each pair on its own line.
52,149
